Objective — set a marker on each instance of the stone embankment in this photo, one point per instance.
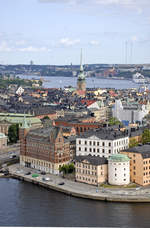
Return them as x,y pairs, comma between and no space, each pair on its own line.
57,183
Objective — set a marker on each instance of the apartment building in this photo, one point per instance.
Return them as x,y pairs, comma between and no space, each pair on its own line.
101,142
139,164
91,169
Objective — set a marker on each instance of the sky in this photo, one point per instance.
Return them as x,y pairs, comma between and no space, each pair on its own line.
54,31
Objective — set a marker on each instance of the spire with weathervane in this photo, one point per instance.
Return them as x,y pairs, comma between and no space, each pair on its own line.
81,84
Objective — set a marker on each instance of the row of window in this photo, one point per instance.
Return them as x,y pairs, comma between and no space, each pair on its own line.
86,172
86,166
86,179
119,175
95,143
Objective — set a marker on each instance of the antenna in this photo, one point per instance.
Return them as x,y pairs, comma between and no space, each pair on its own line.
131,52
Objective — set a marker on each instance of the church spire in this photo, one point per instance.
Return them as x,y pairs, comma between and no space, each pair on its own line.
24,122
81,66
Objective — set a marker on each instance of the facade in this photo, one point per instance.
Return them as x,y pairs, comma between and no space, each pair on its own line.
3,141
101,142
139,164
118,169
90,169
44,149
130,113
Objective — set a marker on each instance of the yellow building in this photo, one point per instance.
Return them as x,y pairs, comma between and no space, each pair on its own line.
91,169
139,164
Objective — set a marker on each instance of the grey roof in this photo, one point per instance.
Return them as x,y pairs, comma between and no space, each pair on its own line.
93,160
43,133
144,150
105,134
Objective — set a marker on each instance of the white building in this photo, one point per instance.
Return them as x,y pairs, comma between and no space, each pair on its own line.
118,169
131,113
20,91
101,142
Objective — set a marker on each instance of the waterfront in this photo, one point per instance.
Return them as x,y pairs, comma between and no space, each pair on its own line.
25,204
61,82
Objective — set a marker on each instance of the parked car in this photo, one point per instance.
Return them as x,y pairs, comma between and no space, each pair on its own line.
46,179
61,183
28,173
43,172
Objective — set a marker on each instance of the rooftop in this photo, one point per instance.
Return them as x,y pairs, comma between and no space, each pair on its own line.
144,150
118,158
93,160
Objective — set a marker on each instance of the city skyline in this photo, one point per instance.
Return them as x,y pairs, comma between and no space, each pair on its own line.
53,31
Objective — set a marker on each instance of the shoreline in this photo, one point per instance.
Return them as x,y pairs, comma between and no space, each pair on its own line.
76,189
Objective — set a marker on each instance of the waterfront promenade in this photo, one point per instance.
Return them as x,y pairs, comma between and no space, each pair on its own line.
76,189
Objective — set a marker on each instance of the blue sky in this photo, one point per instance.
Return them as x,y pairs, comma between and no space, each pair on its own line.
54,31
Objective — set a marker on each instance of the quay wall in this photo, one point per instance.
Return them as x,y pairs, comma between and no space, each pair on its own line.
102,197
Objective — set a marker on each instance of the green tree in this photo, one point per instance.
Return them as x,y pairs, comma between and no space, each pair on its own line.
133,143
146,136
13,133
114,121
45,118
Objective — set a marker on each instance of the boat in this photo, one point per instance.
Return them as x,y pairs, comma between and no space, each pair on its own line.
139,78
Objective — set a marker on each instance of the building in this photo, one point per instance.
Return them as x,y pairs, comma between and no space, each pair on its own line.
139,164
44,148
90,169
131,113
101,142
118,169
81,83
7,119
3,141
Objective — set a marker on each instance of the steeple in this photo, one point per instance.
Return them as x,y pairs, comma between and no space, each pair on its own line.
24,123
81,66
81,75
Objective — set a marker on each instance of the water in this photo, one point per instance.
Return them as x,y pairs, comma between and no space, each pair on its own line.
25,204
61,82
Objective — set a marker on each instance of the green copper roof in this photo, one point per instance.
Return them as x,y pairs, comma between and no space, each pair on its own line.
25,124
81,75
119,158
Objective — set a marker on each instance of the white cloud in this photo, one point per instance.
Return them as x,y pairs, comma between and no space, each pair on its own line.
4,47
69,42
94,42
20,42
34,49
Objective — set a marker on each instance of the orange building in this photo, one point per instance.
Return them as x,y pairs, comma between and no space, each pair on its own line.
139,164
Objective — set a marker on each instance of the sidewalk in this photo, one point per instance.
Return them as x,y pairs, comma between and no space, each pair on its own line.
82,190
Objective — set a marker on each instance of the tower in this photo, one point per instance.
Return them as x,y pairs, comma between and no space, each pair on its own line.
81,83
23,130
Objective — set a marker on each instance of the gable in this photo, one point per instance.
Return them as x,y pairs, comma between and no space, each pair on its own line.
93,137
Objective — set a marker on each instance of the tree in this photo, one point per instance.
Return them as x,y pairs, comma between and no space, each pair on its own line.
68,168
146,136
46,118
133,143
13,133
114,121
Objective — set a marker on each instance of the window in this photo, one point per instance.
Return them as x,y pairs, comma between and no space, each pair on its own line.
109,144
85,149
103,144
109,151
90,143
85,142
97,143
94,143
97,150
79,148
79,141
134,173
94,150
115,174
124,179
90,150
103,150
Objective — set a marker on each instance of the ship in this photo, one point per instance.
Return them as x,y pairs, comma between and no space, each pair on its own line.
139,78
